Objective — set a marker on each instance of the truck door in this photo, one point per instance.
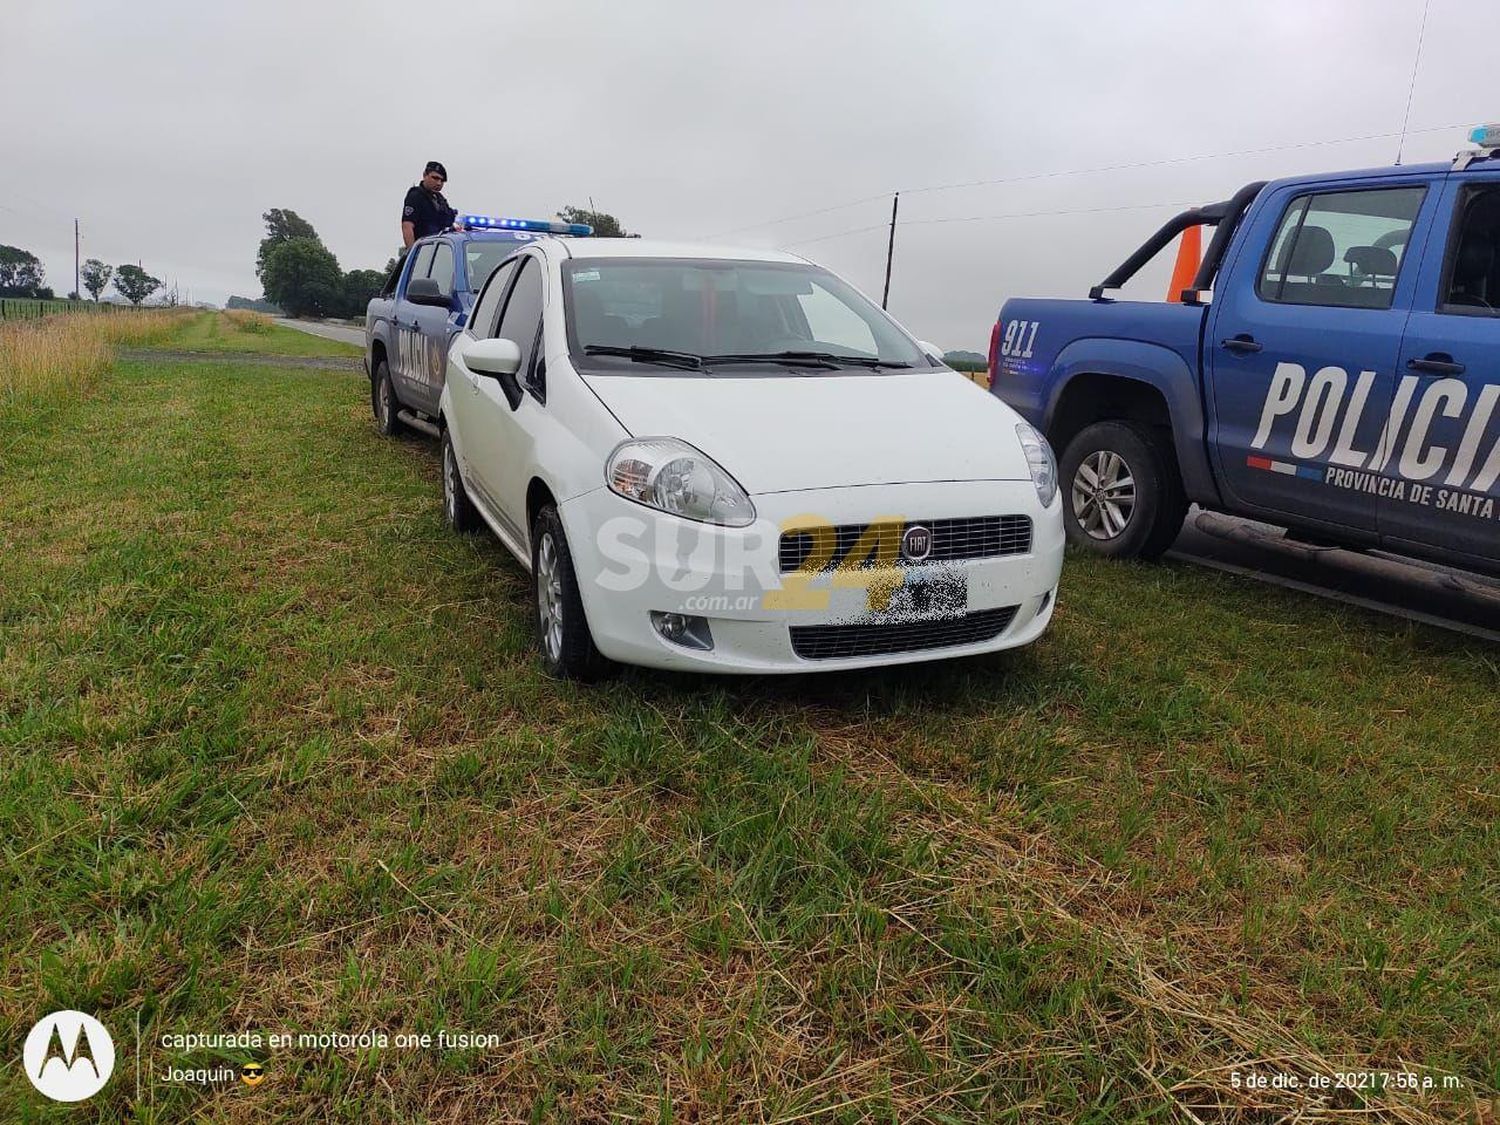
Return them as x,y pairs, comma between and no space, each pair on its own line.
1446,464
1301,347
435,327
407,365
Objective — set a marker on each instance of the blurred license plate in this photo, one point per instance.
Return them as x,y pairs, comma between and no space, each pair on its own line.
920,595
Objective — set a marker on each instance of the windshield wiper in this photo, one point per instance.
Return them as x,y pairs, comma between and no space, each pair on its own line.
829,360
663,356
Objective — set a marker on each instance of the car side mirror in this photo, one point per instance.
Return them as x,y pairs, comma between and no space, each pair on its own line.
425,291
932,350
500,359
495,356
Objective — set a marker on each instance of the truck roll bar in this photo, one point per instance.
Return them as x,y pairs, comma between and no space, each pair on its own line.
1224,217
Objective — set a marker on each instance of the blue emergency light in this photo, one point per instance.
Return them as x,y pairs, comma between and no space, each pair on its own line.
1486,136
540,226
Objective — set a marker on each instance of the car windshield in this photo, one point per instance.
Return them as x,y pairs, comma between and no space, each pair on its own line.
482,258
670,313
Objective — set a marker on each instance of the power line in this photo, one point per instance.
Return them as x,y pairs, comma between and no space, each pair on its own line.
1171,160
802,215
1412,89
1097,168
993,218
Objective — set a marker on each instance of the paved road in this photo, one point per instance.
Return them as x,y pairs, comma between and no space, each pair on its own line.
1426,592
339,332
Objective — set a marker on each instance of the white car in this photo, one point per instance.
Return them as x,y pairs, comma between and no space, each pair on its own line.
732,461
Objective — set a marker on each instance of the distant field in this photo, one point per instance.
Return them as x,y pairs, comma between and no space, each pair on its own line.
275,754
27,308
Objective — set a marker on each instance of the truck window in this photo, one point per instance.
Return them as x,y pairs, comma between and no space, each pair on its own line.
1471,277
389,287
423,261
488,310
481,258
1342,248
442,268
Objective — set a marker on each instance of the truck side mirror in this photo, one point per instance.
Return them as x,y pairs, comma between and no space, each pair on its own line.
425,291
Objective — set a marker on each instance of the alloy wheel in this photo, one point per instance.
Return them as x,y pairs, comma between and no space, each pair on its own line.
1103,494
450,483
549,597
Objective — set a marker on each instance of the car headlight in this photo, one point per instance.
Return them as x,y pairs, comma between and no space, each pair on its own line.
1041,462
673,477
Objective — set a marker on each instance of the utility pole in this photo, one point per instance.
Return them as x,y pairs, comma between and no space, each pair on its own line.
890,250
76,290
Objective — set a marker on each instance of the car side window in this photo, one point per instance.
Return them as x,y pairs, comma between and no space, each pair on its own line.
420,265
534,375
442,268
1341,249
488,310
1471,273
523,311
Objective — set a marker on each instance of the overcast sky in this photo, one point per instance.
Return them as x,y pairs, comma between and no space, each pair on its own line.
168,127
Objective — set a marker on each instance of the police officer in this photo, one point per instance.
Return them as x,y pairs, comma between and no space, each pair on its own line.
425,210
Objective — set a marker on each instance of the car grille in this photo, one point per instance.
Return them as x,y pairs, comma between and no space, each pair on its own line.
830,642
973,537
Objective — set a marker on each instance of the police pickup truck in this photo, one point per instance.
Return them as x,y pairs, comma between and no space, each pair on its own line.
1334,369
425,302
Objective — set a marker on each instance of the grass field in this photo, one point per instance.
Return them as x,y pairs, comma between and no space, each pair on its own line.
236,332
275,755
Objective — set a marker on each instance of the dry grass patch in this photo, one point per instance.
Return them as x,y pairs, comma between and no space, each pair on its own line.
60,356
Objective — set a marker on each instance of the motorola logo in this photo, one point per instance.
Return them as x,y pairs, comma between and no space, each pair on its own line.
68,1056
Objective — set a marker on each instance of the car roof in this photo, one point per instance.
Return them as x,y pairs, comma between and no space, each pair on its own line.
1427,171
661,248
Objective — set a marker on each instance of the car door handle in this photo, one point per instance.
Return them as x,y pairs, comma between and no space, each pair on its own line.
1244,343
1436,363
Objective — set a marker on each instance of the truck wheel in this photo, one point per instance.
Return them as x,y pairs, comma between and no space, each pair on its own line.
458,509
385,402
1122,496
562,631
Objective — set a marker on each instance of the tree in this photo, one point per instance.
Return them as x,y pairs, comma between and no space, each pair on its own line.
359,287
21,273
95,276
605,225
303,277
282,226
134,283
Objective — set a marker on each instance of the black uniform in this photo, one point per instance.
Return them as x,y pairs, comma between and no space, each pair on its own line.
427,210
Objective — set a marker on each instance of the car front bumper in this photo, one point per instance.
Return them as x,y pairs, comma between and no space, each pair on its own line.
632,561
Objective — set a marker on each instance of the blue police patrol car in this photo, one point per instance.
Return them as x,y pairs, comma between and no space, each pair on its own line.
425,302
1334,369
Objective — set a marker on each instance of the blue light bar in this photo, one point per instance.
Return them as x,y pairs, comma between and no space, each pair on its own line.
541,226
1486,136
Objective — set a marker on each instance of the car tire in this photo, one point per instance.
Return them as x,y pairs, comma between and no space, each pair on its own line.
458,509
384,403
1122,494
562,630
